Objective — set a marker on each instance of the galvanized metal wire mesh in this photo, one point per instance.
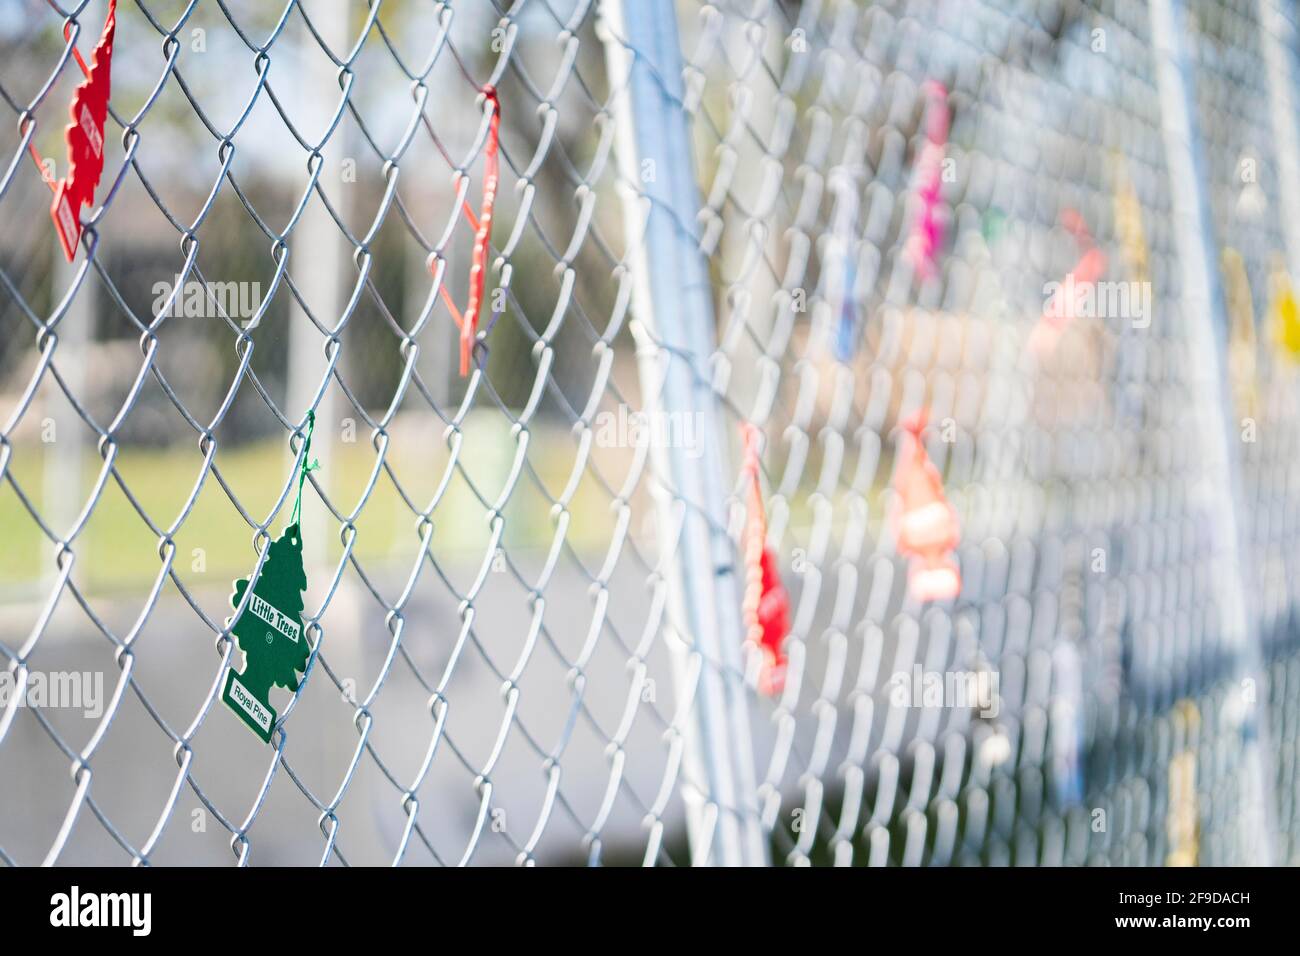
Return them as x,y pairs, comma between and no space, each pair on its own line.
524,584
1088,557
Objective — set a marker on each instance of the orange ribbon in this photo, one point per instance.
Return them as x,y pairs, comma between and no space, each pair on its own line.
482,224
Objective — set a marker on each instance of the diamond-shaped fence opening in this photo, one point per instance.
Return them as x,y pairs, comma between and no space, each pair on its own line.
873,447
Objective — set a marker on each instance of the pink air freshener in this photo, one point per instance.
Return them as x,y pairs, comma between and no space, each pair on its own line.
928,228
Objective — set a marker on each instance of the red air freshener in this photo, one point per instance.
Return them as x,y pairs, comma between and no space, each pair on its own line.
925,525
766,604
85,138
482,225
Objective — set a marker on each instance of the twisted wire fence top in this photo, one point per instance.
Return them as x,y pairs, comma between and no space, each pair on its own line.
499,669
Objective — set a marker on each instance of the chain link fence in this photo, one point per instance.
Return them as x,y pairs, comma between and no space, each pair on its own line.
1063,231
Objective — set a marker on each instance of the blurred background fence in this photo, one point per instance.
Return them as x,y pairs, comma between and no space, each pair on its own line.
525,585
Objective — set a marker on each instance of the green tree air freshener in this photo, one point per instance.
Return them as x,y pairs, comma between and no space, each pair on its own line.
269,629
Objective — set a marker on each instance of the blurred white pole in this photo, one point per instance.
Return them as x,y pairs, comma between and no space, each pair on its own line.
439,359
321,264
63,486
1205,318
319,260
674,330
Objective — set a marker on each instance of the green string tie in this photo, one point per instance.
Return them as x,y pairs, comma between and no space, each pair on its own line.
307,466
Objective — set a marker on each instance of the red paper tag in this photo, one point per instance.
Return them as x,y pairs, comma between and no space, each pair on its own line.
85,138
766,603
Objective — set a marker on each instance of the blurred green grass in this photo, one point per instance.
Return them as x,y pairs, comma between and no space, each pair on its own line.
116,550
